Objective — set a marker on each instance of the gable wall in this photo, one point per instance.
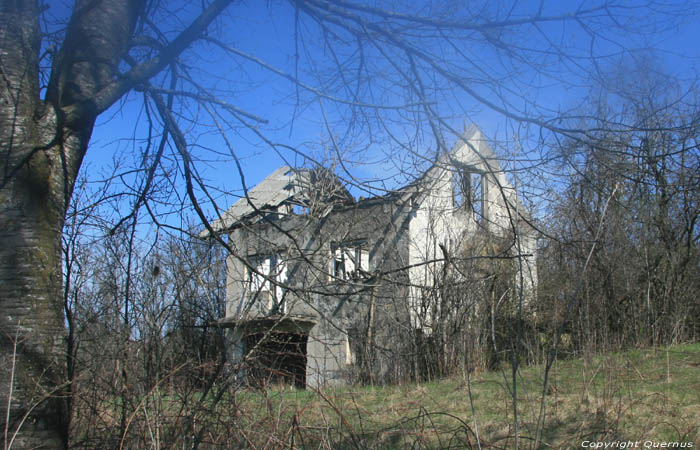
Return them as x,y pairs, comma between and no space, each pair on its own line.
438,221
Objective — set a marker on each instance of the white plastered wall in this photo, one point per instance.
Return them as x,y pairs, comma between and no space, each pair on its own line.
436,221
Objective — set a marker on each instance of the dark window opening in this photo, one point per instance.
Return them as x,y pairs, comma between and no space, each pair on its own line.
276,358
477,197
460,191
468,192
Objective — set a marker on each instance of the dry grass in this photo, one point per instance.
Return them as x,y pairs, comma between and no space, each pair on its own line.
641,395
646,396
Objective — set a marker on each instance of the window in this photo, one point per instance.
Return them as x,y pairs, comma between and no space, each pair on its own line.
269,270
477,191
468,191
349,260
459,190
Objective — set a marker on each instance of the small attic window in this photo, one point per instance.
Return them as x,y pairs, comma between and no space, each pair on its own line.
468,191
300,210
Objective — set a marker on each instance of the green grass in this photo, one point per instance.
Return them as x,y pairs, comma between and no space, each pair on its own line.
638,395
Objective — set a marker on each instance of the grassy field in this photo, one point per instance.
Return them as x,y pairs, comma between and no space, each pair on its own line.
634,399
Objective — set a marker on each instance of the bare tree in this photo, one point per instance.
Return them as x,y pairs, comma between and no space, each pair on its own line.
639,287
46,129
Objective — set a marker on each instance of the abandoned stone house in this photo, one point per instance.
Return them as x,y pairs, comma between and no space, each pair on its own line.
318,278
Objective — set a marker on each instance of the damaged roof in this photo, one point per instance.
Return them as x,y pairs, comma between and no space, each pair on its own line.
321,190
284,186
271,192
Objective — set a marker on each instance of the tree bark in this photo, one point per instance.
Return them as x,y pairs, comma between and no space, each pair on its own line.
30,227
42,144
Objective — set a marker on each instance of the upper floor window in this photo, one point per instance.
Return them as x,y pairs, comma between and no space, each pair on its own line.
349,260
468,189
269,271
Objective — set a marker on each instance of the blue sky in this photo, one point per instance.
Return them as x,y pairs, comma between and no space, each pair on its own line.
266,30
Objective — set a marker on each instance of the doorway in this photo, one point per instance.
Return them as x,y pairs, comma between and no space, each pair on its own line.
276,357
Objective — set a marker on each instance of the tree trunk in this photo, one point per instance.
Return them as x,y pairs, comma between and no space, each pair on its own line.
31,319
31,219
39,169
42,144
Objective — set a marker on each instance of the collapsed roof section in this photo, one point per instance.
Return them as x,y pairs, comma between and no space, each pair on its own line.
318,191
284,190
